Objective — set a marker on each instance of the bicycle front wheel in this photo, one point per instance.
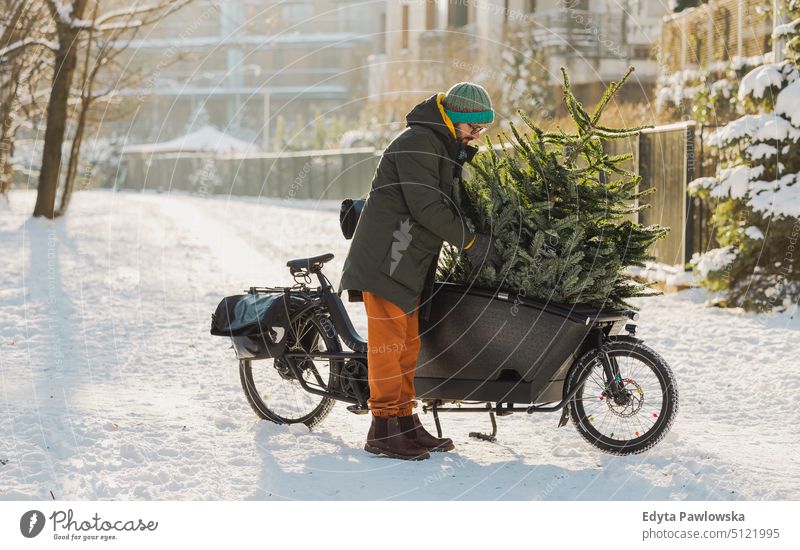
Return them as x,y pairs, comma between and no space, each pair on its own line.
637,418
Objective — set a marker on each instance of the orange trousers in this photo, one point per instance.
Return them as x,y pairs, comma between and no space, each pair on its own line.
393,340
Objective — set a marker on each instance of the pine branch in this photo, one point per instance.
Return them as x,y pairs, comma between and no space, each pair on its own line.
557,205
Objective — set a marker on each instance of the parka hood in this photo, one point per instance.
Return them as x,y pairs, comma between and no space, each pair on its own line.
430,113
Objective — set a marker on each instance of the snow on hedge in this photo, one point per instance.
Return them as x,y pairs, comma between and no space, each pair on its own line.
671,275
762,127
760,79
779,197
753,232
705,182
788,102
714,260
761,151
785,29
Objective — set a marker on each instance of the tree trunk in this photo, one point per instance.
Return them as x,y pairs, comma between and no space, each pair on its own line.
6,152
74,157
66,60
86,83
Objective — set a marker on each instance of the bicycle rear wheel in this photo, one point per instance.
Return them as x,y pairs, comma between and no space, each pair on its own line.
272,389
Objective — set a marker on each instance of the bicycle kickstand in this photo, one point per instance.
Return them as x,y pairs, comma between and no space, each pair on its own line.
487,437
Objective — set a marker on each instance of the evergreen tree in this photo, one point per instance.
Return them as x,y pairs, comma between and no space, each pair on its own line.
756,193
560,210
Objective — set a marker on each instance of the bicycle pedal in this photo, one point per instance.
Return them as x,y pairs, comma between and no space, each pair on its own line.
358,409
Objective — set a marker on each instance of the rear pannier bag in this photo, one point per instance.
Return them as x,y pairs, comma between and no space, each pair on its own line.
257,324
349,214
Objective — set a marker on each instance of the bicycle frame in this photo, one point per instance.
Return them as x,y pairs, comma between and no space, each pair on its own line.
325,299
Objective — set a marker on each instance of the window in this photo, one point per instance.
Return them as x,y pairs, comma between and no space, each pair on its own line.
575,4
296,12
457,15
430,15
641,52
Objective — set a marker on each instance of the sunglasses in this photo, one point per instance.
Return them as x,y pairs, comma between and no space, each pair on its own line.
474,129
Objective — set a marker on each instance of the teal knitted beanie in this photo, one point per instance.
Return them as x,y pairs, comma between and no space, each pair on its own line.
468,102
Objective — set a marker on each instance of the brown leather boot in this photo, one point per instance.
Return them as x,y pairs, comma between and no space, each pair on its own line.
384,438
412,426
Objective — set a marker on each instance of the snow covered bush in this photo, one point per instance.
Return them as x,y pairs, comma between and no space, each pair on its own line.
707,95
756,193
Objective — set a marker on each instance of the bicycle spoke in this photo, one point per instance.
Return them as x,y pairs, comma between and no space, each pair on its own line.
617,420
277,383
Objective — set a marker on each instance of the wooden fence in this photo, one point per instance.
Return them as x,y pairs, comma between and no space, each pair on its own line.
328,174
715,32
665,159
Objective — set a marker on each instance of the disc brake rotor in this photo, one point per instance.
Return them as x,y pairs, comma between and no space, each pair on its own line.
628,402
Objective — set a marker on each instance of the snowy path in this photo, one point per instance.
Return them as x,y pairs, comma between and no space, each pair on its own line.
111,387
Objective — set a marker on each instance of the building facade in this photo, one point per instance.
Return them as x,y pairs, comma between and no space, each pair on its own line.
240,65
450,40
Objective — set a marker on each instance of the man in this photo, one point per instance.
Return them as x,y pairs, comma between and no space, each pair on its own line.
395,249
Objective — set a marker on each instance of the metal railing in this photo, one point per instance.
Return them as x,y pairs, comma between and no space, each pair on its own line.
665,157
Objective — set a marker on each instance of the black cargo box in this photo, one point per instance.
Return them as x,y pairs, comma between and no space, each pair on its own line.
480,345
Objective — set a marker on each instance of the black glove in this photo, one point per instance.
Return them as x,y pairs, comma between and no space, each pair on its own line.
483,252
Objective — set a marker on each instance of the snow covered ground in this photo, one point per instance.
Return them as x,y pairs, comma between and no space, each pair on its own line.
112,388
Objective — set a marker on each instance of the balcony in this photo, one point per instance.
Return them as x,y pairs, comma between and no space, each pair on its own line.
581,32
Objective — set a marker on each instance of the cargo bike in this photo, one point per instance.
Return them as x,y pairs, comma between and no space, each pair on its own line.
481,352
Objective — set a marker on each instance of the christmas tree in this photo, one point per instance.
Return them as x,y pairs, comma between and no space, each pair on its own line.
756,192
561,212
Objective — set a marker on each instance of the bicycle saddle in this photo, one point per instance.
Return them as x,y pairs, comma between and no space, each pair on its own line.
309,263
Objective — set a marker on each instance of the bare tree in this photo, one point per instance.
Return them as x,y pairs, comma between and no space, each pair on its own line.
22,41
99,56
78,24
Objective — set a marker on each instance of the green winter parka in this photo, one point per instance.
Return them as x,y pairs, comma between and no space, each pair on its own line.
409,211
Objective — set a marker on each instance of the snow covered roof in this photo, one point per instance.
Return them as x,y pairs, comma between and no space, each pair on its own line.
207,139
